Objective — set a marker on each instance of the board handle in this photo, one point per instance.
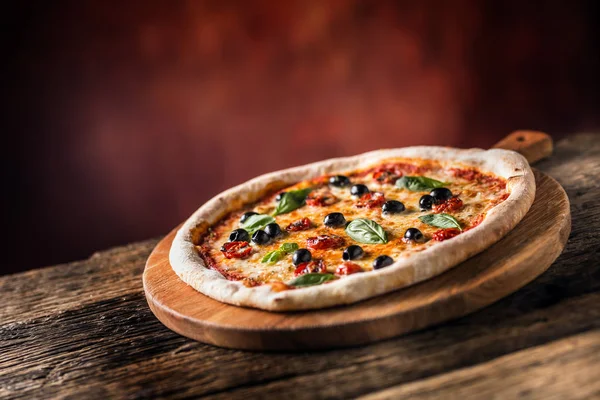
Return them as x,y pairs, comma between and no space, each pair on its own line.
532,145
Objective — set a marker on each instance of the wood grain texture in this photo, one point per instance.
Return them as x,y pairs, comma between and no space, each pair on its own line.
498,271
533,145
84,330
569,366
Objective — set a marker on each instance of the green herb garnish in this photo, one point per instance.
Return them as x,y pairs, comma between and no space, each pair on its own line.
366,231
419,183
291,200
441,221
273,256
256,222
311,279
289,247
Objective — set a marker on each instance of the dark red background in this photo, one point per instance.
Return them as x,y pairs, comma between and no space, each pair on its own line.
121,118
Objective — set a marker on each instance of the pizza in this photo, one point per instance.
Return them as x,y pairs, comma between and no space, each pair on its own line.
346,229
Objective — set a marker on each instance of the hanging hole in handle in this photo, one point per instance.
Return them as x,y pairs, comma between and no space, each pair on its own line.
520,138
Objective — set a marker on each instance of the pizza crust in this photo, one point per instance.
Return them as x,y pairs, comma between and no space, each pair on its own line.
190,267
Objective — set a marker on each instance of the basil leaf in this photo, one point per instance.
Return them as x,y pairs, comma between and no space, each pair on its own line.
291,200
311,279
441,220
289,247
419,183
273,256
366,231
256,222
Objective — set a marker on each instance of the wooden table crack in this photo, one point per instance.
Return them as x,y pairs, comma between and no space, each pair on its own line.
84,330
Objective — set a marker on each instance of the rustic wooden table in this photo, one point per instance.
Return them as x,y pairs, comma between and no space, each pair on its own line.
84,330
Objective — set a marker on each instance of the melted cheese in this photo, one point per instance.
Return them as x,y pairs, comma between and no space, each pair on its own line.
478,197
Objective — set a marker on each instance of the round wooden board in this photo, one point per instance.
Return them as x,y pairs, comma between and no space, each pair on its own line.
517,259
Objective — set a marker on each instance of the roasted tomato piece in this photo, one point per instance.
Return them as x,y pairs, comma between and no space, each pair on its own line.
323,242
348,268
311,267
452,204
320,198
386,175
300,225
443,234
389,173
236,249
371,200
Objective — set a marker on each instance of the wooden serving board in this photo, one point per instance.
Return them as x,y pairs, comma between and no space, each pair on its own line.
526,252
